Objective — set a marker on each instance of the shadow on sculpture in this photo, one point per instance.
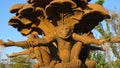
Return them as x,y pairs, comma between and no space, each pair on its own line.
65,27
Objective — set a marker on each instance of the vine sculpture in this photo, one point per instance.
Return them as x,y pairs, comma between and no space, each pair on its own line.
65,27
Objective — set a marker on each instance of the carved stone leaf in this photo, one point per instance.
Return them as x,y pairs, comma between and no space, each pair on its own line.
96,8
59,6
16,7
39,3
26,9
63,11
22,24
15,22
25,31
77,13
40,12
91,18
59,12
25,21
75,17
64,3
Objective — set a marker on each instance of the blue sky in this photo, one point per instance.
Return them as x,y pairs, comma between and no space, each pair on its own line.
8,32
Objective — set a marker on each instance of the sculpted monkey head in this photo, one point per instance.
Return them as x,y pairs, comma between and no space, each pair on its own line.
64,31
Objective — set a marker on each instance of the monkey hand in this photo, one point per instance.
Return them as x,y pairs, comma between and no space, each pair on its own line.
102,40
1,43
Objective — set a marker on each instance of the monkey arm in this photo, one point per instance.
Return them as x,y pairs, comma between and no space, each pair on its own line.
26,43
25,52
87,39
114,40
12,43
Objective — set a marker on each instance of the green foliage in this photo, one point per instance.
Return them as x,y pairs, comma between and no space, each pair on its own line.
17,65
116,63
20,62
99,58
19,59
2,65
105,33
20,65
99,2
114,49
1,50
112,27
